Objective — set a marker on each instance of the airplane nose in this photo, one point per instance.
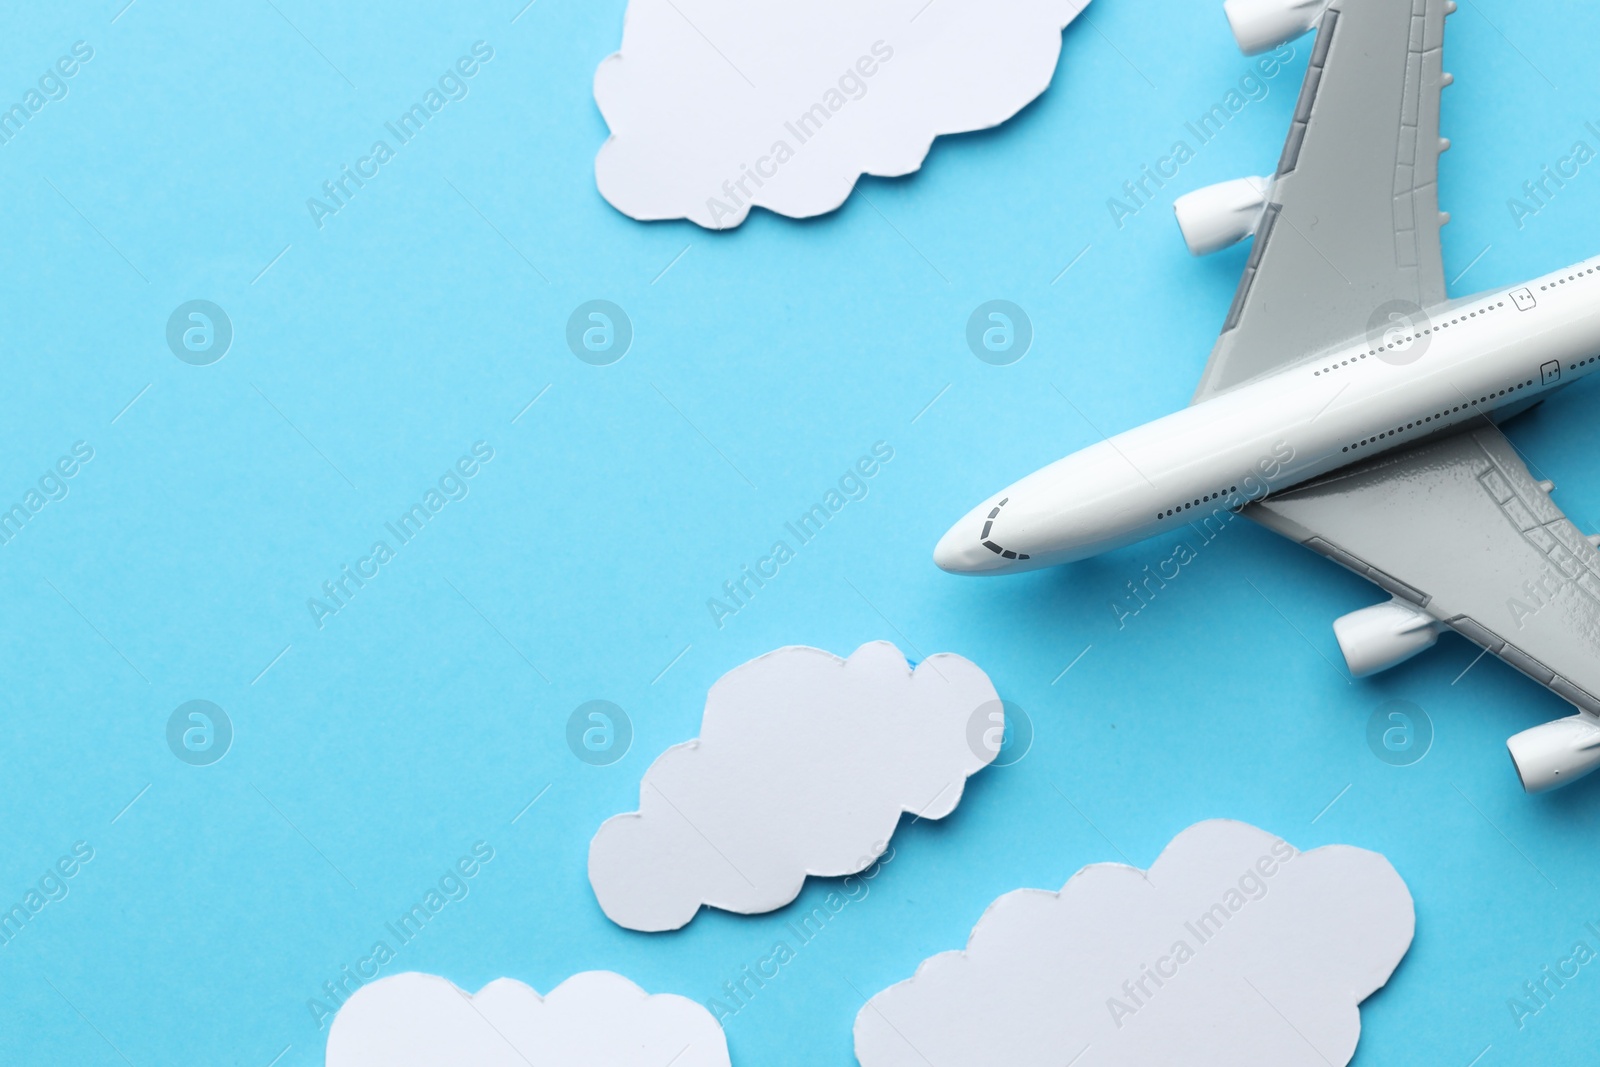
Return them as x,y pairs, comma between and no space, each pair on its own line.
951,554
961,551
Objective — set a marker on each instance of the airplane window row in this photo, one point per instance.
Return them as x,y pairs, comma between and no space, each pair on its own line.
1219,494
1425,422
1407,340
1568,278
1564,281
1432,418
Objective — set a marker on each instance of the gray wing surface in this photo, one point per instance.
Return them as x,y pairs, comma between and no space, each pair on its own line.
1456,525
1352,222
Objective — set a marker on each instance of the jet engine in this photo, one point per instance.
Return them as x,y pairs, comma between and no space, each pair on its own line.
1385,635
1262,25
1221,215
1556,753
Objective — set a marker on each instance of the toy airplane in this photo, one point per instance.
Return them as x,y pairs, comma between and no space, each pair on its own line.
1349,404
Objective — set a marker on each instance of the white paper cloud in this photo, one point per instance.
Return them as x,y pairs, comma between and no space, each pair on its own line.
1234,950
716,105
598,1019
804,763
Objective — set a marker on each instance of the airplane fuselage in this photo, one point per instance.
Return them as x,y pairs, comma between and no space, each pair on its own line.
1457,363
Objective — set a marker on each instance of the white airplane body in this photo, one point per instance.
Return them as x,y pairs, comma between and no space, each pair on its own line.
1485,355
1351,405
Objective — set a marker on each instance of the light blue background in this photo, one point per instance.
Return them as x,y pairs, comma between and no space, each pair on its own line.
375,351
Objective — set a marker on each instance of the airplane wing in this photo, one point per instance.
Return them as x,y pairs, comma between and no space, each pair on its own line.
1351,227
1456,525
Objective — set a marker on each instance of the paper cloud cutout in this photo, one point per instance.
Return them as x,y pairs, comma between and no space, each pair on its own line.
718,105
1234,949
597,1018
804,763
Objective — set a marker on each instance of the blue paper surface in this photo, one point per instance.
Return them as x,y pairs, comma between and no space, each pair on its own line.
375,346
